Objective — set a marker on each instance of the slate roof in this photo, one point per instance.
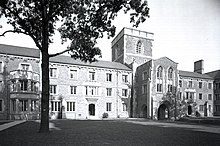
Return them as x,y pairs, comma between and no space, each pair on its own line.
19,51
214,74
194,75
99,63
31,52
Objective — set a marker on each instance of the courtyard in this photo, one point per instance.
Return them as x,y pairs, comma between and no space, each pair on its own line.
111,132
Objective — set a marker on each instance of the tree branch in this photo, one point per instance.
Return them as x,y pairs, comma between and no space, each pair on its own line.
56,54
13,31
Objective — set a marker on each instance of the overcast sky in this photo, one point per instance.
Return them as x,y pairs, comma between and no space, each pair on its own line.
184,31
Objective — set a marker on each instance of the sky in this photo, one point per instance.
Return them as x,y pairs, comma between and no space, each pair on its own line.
184,31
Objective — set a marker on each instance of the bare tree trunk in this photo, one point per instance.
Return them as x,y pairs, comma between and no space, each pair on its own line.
44,125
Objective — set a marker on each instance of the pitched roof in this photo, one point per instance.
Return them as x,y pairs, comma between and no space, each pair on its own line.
19,51
99,63
214,74
31,52
166,59
193,75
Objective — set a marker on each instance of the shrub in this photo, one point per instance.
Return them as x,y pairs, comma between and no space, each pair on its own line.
105,115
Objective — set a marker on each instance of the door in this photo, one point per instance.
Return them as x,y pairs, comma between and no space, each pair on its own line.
92,109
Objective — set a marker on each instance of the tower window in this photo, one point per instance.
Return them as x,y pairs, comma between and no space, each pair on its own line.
139,47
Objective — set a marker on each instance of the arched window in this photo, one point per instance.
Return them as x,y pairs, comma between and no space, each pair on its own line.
159,72
139,47
170,73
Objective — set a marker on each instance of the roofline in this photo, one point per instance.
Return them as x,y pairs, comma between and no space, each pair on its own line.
195,77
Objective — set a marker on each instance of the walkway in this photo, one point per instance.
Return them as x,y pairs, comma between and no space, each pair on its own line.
10,124
194,127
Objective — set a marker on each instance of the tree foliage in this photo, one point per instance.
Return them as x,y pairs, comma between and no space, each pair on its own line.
82,22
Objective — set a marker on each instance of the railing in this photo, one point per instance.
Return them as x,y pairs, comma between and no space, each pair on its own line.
23,74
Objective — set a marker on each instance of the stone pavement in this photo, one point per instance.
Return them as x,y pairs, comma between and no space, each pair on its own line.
10,124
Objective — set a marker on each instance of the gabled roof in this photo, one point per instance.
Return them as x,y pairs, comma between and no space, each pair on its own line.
166,59
19,51
100,63
214,74
193,75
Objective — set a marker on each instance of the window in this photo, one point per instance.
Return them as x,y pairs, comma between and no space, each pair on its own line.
92,76
73,74
170,73
217,108
124,106
108,77
190,84
180,83
1,86
23,85
70,106
23,105
124,92
210,97
55,105
180,95
124,78
144,89
139,47
200,96
53,89
170,88
210,85
217,97
1,66
1,105
108,107
159,87
210,108
201,108
159,72
200,85
92,90
109,91
13,103
53,72
25,67
144,75
73,89
33,105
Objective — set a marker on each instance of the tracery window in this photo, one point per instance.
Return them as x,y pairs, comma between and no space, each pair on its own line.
159,72
139,47
170,73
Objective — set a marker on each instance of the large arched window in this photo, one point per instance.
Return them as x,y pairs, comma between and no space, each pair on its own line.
159,72
139,47
170,73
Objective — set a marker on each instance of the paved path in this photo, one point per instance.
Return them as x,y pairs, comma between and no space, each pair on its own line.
10,124
204,128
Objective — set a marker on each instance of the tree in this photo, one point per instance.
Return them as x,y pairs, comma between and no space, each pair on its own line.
83,22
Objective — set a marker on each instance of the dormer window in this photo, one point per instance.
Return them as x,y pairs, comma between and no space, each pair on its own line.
139,47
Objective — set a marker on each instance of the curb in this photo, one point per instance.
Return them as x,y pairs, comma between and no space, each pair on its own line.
10,124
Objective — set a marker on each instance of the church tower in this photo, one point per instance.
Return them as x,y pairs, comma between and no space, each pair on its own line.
132,45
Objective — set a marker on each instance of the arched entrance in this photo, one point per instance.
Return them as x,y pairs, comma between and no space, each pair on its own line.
92,109
189,110
144,111
163,110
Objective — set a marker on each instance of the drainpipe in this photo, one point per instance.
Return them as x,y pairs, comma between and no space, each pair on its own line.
117,92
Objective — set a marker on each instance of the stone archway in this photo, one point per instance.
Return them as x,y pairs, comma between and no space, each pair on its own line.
144,111
164,110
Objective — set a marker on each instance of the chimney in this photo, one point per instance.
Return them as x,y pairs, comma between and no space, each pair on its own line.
199,66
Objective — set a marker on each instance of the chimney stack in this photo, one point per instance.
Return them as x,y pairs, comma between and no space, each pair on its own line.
199,66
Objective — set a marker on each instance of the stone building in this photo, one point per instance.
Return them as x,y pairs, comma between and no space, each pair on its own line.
19,82
78,90
216,76
132,85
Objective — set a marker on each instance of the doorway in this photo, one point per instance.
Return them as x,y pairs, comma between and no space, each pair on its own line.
163,111
189,110
92,109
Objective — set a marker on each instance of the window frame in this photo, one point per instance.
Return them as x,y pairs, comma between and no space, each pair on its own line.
51,72
108,106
